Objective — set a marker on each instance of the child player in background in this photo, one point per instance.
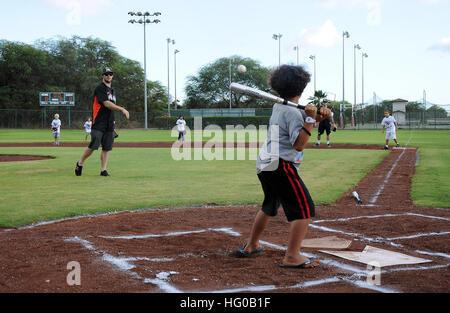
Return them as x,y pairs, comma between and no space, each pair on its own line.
87,127
56,129
390,124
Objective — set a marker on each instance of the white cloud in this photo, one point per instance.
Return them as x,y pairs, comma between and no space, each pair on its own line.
373,7
324,36
76,8
442,45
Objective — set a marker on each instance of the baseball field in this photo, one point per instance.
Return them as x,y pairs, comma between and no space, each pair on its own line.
162,224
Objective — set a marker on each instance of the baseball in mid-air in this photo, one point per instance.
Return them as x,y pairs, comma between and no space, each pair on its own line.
241,68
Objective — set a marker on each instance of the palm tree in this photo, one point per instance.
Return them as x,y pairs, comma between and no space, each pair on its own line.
319,95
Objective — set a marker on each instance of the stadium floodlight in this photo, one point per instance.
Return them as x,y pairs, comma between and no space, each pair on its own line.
313,57
145,21
345,34
354,81
169,41
175,74
278,37
364,55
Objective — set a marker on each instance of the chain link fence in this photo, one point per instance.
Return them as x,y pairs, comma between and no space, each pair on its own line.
368,117
70,119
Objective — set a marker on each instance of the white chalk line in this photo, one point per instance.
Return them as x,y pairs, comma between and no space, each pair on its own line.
350,268
386,179
388,176
419,235
225,230
345,219
123,263
386,240
78,217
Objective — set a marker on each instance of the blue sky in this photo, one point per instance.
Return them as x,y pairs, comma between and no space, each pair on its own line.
407,41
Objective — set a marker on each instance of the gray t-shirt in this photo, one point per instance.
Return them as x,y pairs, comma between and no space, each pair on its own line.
284,127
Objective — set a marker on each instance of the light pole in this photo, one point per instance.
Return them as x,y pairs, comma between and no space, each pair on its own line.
229,71
144,20
354,80
169,41
313,57
345,34
278,37
364,55
175,72
296,48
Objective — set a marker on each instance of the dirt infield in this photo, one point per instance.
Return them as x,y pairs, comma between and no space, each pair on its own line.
192,249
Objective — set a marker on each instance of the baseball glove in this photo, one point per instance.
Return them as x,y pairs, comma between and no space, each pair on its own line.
54,129
334,129
115,134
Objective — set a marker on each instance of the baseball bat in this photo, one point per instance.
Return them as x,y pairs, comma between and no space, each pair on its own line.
253,92
356,196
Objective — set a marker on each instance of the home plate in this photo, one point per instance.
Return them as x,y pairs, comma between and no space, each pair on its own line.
330,242
377,257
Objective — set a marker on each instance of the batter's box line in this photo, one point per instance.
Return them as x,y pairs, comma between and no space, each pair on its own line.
388,241
226,230
359,273
123,263
345,219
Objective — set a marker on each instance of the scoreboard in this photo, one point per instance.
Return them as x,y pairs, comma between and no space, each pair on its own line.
57,98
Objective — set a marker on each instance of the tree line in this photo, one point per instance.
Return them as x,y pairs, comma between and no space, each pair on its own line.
71,65
75,65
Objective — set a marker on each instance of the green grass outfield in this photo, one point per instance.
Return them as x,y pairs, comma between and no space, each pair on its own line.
148,178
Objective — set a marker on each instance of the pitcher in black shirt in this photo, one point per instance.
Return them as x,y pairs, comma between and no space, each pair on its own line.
325,125
102,122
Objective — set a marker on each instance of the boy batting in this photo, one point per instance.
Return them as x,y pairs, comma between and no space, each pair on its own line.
276,167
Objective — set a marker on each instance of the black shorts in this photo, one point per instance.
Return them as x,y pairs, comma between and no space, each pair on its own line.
284,186
105,139
323,128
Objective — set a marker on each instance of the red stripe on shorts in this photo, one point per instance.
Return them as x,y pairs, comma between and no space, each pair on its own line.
301,189
295,189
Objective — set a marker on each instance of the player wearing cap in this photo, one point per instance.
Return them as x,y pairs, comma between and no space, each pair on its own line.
102,122
325,125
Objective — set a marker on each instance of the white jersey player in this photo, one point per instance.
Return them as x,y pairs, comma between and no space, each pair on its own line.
390,124
56,129
88,127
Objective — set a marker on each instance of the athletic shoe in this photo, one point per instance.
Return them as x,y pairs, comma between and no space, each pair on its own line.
386,148
397,145
317,144
328,145
104,173
78,169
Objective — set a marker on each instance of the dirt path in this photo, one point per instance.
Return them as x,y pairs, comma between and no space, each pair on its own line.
192,249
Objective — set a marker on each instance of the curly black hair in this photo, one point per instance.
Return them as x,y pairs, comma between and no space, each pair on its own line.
289,81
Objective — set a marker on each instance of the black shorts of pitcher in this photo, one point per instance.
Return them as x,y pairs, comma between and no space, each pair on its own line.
104,139
284,186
